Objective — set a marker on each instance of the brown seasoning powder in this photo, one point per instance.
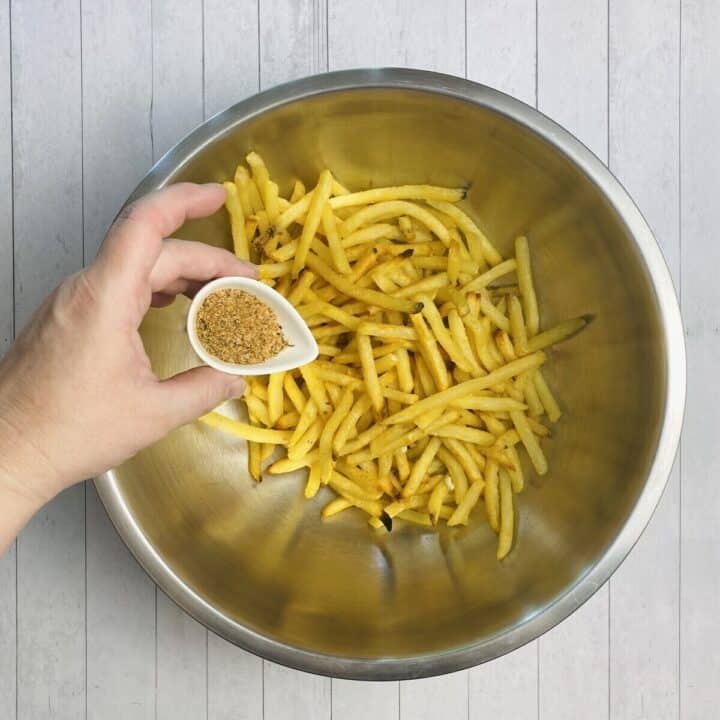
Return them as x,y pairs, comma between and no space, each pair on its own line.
236,327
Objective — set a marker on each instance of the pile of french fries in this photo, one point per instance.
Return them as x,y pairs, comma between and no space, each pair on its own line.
429,374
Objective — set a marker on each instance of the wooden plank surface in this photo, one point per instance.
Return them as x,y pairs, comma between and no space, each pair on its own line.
47,187
572,89
117,105
700,213
643,153
8,577
231,70
501,47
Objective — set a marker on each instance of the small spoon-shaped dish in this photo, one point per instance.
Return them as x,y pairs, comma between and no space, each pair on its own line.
301,349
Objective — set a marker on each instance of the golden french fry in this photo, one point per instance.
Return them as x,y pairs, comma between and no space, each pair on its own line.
527,289
237,221
320,196
335,506
435,503
333,240
372,383
246,431
530,442
492,496
457,474
400,192
275,397
507,516
464,508
328,433
552,409
420,467
562,331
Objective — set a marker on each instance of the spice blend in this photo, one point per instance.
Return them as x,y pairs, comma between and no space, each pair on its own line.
236,327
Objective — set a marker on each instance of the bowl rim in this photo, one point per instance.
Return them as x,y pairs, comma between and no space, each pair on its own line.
437,663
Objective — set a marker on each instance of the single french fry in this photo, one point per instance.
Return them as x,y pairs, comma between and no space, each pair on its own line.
517,325
561,331
552,409
328,433
275,396
242,178
306,442
425,286
527,289
402,464
255,461
530,442
464,508
237,221
372,383
285,465
386,332
420,468
517,477
489,404
298,191
435,503
313,481
308,416
335,506
303,284
457,473
483,280
464,433
333,240
316,389
320,196
492,495
246,431
461,340
400,192
507,517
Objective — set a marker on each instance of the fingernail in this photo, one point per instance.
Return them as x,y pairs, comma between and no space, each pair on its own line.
250,269
237,388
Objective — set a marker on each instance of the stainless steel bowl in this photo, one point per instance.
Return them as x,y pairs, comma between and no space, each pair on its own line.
256,564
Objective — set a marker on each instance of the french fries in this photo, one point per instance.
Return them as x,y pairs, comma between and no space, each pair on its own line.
429,377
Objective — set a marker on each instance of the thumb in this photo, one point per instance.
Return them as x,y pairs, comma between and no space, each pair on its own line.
192,393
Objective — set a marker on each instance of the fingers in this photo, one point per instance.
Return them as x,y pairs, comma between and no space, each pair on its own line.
135,240
182,264
190,394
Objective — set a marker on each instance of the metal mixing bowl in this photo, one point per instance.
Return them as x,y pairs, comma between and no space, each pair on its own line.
256,564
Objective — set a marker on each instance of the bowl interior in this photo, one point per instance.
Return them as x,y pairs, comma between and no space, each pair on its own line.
261,555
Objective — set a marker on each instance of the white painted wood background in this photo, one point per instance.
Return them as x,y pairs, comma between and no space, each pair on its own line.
93,91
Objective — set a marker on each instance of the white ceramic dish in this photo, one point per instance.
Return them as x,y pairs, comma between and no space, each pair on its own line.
302,347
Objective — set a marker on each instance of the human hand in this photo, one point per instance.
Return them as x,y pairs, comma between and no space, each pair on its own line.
77,393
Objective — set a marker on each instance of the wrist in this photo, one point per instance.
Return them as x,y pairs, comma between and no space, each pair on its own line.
25,473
